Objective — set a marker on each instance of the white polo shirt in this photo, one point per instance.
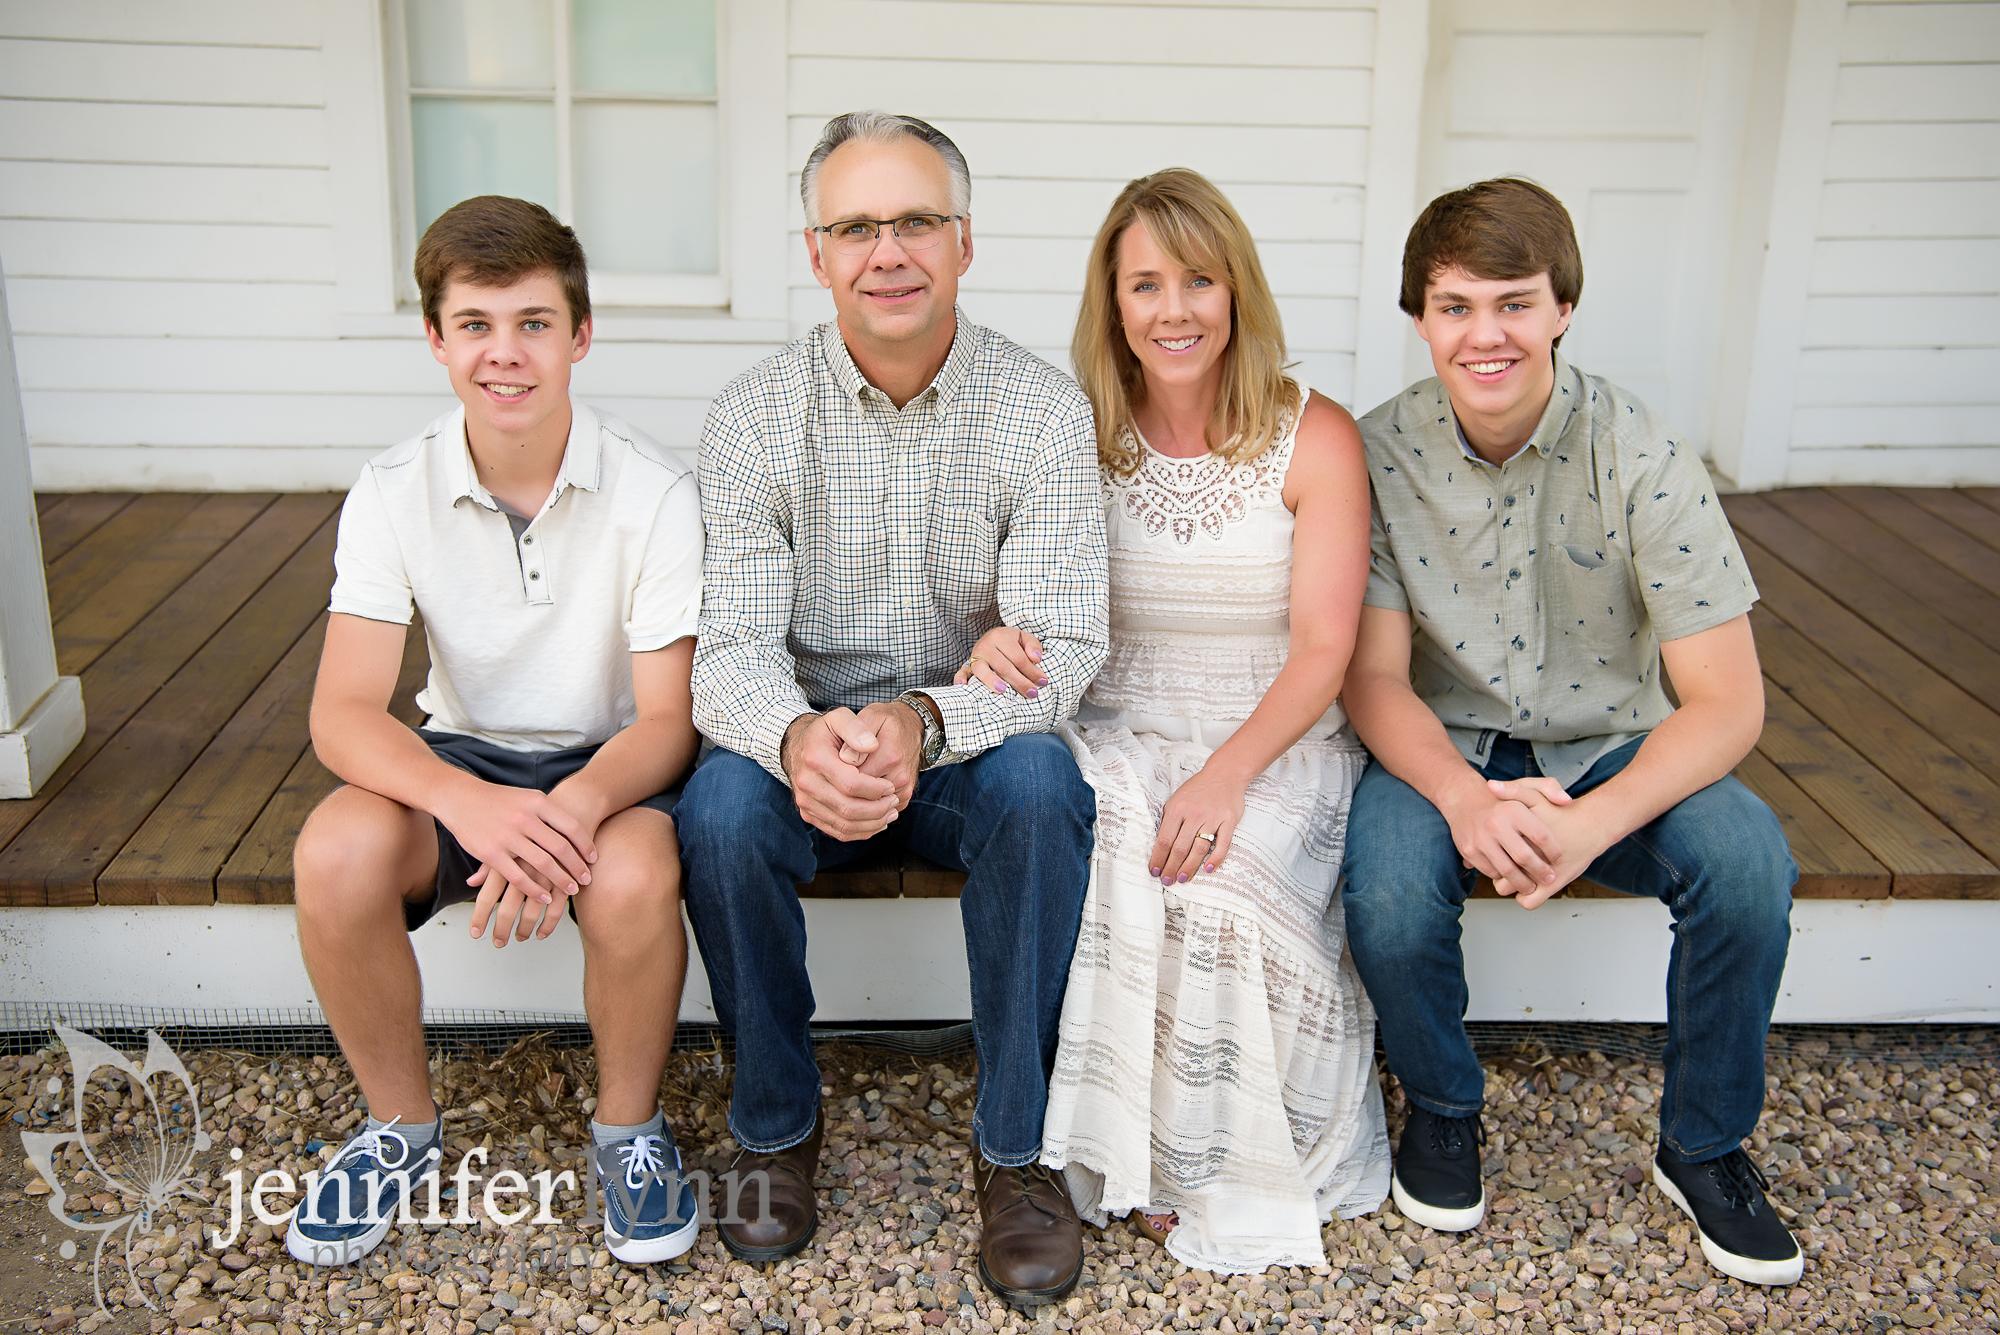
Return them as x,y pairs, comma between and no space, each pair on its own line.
531,636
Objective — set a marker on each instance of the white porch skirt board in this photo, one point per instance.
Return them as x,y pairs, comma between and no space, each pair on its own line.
1851,962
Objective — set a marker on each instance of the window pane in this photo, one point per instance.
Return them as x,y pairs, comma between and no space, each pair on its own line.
644,46
646,187
481,43
465,147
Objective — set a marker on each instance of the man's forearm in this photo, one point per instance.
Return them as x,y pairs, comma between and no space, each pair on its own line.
744,702
1697,745
1403,733
642,760
370,749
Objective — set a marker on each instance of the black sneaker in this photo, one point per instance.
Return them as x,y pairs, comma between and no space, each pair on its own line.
1436,1181
1741,1235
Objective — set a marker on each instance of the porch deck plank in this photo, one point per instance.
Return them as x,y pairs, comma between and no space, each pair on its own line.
195,623
1957,794
1894,510
172,858
75,518
1961,512
128,674
258,869
87,567
86,824
1832,863
1857,585
1908,567
166,563
1940,707
1926,859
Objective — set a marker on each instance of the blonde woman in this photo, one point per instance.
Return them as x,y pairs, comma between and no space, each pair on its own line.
1216,1071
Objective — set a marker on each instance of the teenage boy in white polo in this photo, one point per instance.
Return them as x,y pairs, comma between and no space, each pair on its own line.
1544,544
555,556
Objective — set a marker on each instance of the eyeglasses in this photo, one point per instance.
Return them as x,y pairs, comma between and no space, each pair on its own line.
918,231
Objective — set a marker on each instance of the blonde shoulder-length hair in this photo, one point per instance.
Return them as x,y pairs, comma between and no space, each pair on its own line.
1195,225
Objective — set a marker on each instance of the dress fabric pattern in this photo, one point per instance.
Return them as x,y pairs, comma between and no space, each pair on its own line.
1217,1050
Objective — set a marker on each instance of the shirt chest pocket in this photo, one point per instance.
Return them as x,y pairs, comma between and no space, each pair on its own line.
965,558
1591,599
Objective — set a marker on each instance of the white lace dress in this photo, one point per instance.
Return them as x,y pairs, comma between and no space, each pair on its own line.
1217,1050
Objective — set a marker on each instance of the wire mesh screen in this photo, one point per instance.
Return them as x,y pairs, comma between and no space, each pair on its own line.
28,1026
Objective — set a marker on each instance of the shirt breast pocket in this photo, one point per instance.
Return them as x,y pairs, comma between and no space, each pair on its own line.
965,560
1591,599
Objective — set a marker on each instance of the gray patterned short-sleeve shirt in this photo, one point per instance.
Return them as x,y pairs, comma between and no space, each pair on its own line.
1539,590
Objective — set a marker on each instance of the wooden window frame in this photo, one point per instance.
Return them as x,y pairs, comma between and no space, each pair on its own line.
373,215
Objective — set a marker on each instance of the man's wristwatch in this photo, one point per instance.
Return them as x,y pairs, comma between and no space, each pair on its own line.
933,727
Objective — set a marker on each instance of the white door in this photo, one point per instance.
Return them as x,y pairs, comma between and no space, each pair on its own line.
1633,114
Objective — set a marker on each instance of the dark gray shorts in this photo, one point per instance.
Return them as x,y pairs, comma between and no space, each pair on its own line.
481,759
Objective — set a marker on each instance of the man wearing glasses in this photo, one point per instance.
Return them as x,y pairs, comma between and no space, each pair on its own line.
876,497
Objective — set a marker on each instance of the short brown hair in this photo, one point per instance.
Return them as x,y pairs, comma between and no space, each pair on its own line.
1194,223
491,241
1503,228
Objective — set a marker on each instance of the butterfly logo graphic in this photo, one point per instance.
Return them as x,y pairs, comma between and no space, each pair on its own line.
140,1140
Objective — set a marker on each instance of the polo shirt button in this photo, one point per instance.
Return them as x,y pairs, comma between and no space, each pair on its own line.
534,574
1513,574
528,541
1527,714
1510,500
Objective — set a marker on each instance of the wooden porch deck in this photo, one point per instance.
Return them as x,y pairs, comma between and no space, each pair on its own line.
195,622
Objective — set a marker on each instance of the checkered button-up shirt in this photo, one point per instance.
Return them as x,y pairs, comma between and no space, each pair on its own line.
857,550
1541,588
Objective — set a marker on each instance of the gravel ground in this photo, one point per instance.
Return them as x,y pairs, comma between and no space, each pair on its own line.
1884,1169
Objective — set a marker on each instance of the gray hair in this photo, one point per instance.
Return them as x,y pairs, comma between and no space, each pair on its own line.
883,127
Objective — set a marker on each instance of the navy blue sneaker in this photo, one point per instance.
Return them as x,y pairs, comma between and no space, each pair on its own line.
650,1213
356,1198
1741,1235
1436,1180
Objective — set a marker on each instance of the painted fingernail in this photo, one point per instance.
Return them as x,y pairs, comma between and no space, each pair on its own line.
1208,866
1184,877
1156,871
1034,694
1041,681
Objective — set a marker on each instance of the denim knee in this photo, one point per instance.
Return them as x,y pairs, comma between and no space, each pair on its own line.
733,813
1030,785
1401,874
1727,838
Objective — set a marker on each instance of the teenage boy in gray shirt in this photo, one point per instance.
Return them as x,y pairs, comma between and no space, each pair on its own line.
1543,546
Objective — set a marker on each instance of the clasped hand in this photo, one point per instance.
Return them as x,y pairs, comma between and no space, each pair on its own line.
852,773
531,848
1529,837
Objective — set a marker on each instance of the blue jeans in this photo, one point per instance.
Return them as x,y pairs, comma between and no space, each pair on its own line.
1018,819
1718,861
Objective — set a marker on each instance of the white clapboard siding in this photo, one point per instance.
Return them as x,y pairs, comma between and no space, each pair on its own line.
133,72
181,135
1957,321
167,309
244,252
269,23
135,192
1899,379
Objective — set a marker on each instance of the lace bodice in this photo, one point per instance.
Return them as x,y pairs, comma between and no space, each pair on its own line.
1201,573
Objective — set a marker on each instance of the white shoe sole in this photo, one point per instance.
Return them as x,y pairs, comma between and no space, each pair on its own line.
648,1251
1745,1268
315,1252
1431,1216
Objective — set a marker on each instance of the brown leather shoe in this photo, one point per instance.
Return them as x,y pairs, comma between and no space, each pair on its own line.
1030,1240
794,1214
